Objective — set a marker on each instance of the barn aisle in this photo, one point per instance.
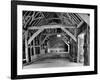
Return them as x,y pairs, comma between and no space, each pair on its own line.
47,35
52,62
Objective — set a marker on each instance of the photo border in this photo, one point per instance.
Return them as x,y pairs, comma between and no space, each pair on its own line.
14,5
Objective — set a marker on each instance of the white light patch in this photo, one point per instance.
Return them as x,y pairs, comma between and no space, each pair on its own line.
58,35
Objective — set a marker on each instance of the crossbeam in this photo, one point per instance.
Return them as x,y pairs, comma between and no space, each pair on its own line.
49,27
40,29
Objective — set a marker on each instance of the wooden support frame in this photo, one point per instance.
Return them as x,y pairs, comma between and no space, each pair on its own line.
40,29
49,27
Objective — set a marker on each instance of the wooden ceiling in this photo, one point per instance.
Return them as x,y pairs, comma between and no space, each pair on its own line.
38,22
37,18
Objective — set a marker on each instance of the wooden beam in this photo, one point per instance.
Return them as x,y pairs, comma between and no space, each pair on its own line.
34,35
64,36
70,34
49,26
34,49
66,43
26,47
44,39
75,18
80,24
78,52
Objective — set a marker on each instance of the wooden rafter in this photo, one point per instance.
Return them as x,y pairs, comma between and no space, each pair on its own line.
79,17
76,18
72,18
43,18
32,17
80,24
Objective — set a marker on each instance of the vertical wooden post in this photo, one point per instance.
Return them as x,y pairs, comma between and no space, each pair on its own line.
40,44
26,46
76,51
88,43
77,46
34,47
31,52
30,57
86,48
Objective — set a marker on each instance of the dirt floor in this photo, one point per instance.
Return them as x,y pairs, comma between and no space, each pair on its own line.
52,62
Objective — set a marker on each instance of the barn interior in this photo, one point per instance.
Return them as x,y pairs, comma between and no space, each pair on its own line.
52,39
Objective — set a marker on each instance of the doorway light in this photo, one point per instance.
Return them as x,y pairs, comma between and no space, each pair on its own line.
58,35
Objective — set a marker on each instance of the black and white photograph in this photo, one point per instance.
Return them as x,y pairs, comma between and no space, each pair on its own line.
53,39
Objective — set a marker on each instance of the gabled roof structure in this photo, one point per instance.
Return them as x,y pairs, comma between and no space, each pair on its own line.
37,18
37,21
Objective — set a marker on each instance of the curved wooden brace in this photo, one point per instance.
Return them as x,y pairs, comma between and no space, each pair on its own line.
70,34
34,35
